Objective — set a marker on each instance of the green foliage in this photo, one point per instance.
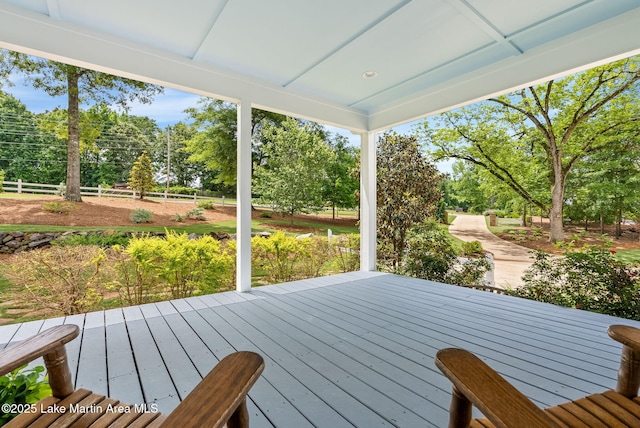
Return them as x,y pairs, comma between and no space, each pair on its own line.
286,258
196,213
266,214
471,248
588,278
57,207
68,280
215,144
141,177
140,215
176,190
431,255
22,386
277,255
206,205
292,178
346,250
177,218
1,180
101,239
408,189
527,144
184,266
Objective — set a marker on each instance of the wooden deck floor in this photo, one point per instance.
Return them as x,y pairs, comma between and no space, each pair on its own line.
348,350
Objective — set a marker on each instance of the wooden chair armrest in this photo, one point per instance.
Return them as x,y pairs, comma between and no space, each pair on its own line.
629,372
474,382
221,396
36,346
627,335
50,345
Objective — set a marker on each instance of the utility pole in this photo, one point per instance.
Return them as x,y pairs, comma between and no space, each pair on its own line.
168,156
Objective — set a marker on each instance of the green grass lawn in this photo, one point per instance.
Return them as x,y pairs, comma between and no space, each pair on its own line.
628,256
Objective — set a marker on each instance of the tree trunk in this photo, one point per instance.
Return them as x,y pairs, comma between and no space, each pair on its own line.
556,229
601,223
524,215
72,192
619,221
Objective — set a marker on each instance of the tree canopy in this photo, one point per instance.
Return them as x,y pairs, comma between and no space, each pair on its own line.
532,139
78,84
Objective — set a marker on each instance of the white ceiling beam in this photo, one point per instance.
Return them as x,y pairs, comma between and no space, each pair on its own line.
54,9
32,33
481,22
614,39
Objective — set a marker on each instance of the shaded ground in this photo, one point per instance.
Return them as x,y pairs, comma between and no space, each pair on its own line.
95,211
537,237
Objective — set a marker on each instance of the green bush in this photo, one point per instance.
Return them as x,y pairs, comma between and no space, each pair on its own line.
471,248
1,180
206,205
58,207
103,239
22,386
177,218
346,252
69,280
176,190
183,266
587,278
431,255
141,215
196,213
276,255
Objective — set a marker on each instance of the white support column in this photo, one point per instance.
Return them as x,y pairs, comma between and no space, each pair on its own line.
368,227
243,207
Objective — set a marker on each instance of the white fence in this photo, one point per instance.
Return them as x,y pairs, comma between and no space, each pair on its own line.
53,189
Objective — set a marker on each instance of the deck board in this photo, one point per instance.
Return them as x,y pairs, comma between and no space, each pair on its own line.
354,349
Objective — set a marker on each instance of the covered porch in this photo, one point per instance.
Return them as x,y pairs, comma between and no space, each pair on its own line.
354,349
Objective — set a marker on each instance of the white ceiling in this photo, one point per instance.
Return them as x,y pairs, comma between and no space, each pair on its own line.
307,57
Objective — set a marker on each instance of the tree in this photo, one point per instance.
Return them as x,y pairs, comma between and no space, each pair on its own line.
407,192
215,145
27,150
79,84
549,127
340,184
292,175
141,178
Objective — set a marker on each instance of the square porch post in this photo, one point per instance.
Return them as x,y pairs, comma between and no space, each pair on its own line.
243,207
368,190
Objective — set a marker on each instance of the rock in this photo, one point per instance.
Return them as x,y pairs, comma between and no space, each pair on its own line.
306,235
37,244
193,236
37,237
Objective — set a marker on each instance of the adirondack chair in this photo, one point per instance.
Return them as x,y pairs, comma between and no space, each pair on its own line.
475,383
218,399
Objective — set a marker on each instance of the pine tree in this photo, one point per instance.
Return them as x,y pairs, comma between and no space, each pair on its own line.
141,177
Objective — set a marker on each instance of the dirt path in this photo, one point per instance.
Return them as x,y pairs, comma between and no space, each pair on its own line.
510,260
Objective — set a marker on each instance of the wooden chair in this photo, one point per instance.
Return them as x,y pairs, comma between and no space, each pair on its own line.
475,383
218,399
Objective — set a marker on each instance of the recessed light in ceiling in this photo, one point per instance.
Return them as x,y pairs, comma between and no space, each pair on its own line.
369,74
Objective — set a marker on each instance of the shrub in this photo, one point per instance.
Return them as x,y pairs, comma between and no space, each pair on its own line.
1,180
277,255
105,239
266,214
185,266
431,255
314,254
177,218
22,386
141,215
196,213
346,251
471,248
66,279
206,205
588,278
58,207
